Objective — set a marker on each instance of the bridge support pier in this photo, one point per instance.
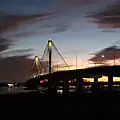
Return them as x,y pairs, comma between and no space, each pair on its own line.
110,82
65,86
51,87
95,86
96,80
79,86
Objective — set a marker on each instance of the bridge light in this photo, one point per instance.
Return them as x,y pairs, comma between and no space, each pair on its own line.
36,58
10,85
103,56
34,76
49,43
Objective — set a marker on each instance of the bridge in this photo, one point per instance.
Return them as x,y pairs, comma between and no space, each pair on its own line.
50,62
44,69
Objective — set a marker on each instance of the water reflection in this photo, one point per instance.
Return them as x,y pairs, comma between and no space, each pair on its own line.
14,89
20,89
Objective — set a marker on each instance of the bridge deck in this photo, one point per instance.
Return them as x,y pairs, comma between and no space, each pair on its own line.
83,73
87,72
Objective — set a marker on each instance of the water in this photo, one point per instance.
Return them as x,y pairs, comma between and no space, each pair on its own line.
21,89
14,89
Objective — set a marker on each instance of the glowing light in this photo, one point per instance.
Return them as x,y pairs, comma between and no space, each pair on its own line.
41,81
50,43
60,91
103,56
88,79
103,79
116,79
34,76
72,87
46,80
10,85
36,59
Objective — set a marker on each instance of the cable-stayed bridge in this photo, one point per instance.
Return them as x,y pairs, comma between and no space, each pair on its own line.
49,67
51,61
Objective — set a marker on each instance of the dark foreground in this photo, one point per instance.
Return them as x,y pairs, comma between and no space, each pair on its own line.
82,102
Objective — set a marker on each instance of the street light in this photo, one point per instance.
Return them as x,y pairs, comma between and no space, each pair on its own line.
103,58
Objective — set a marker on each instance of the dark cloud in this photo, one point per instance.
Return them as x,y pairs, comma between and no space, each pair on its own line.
16,52
15,68
53,28
110,53
57,26
29,33
108,18
60,28
9,21
77,2
4,44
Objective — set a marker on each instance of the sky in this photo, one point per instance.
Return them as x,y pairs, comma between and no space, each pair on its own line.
76,27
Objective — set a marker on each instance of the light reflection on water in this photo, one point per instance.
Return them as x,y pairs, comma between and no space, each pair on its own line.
5,90
16,89
21,89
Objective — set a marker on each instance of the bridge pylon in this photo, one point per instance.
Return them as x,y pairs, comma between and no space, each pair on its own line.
36,68
51,61
53,57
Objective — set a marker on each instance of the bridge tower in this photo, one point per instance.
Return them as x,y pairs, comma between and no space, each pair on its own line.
36,65
52,56
48,63
36,68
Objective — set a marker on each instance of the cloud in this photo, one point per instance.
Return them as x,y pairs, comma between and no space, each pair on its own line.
108,18
16,52
29,33
14,64
5,52
9,21
46,25
60,28
51,26
15,68
78,2
110,53
4,44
